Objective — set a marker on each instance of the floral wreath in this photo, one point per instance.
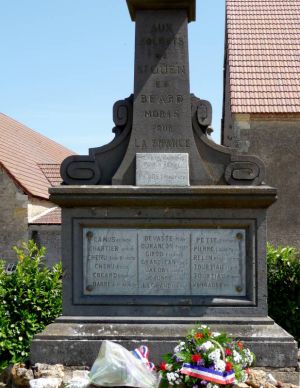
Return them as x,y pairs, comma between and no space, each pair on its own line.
206,359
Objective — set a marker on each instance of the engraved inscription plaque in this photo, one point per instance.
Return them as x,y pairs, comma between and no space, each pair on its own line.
164,261
158,169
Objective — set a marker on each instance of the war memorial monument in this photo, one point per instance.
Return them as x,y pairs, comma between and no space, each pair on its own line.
162,228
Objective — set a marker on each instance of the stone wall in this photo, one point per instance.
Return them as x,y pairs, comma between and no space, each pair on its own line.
13,216
48,236
15,210
276,140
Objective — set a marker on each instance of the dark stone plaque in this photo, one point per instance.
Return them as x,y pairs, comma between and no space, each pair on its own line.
164,261
218,262
110,261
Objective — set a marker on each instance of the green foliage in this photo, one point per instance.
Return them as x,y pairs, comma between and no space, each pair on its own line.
30,299
213,352
284,287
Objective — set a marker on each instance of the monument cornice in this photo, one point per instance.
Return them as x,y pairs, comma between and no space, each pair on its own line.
192,196
137,5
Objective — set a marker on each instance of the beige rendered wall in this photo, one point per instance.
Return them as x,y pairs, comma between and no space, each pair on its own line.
13,216
276,140
38,206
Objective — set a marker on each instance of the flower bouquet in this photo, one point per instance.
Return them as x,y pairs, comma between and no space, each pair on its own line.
206,359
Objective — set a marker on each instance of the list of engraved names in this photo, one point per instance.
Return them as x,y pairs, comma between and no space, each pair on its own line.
164,261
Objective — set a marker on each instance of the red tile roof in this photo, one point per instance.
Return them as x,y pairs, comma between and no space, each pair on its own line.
52,173
263,52
50,216
23,151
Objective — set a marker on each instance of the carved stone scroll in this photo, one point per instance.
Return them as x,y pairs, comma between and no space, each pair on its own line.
201,112
100,165
223,165
245,170
80,170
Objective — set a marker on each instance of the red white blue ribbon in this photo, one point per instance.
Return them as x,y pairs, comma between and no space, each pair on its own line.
142,354
208,374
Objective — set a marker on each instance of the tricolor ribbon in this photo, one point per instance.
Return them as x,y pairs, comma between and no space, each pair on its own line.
208,374
142,354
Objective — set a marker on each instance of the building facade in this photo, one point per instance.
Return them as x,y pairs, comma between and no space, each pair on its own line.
261,110
29,165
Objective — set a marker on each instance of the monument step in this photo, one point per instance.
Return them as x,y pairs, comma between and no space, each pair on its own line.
77,340
167,320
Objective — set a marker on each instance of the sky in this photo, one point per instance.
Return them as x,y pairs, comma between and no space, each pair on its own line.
65,62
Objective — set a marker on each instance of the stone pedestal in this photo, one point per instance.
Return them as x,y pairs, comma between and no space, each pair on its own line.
145,255
144,264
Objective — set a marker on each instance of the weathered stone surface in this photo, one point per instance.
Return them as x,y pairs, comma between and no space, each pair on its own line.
162,103
76,372
257,378
21,376
201,197
164,261
291,377
269,385
157,169
46,382
13,220
45,370
163,208
79,379
48,236
79,340
80,374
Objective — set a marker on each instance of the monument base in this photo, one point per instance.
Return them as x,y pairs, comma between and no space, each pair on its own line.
120,241
75,341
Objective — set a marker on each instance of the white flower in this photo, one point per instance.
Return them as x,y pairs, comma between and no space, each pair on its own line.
206,346
215,355
236,356
168,366
215,334
171,377
202,327
179,347
220,365
215,386
209,385
174,377
248,356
